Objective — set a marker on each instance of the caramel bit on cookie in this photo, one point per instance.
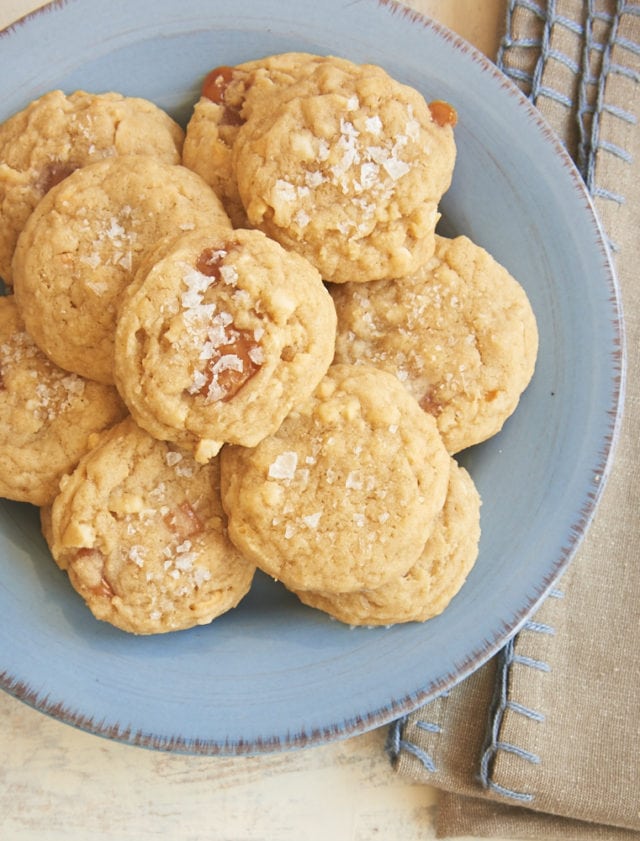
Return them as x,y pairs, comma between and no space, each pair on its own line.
209,262
443,113
215,87
430,404
184,521
231,356
88,564
232,364
53,173
216,83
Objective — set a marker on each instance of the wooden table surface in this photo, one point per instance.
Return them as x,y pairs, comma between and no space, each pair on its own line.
57,782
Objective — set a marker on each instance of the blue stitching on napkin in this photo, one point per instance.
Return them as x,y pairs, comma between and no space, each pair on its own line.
591,73
501,703
429,726
523,660
515,707
396,743
521,752
538,627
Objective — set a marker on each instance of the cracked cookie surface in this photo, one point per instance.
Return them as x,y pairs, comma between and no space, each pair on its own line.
85,240
47,415
220,336
347,167
428,587
459,333
139,528
59,133
345,494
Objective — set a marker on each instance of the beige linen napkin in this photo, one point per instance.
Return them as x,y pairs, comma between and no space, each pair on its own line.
544,740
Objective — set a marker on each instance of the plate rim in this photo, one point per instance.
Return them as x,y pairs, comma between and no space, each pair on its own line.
485,649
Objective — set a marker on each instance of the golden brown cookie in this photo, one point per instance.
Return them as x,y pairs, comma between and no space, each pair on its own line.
58,133
48,416
228,97
459,333
139,528
85,240
347,167
345,494
428,587
220,335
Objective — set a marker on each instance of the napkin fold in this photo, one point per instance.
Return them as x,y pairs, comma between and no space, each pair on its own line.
543,741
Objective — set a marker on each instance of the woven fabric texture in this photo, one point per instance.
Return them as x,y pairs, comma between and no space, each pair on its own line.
544,740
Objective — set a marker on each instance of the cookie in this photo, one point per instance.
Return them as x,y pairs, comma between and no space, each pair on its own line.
139,528
220,334
58,133
459,333
428,587
347,167
83,243
48,417
228,97
345,494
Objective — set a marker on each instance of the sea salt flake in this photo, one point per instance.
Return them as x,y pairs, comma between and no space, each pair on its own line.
185,561
302,218
285,190
136,554
284,467
314,179
229,274
201,575
312,520
396,168
172,458
256,355
228,362
368,175
373,124
324,150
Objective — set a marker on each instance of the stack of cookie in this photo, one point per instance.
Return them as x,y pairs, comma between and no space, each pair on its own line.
252,350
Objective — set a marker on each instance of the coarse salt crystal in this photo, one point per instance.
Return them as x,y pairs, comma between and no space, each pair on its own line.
284,467
373,124
302,218
172,458
312,520
200,576
136,554
314,178
229,274
396,168
285,190
256,355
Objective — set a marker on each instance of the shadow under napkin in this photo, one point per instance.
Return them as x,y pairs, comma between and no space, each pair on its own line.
544,740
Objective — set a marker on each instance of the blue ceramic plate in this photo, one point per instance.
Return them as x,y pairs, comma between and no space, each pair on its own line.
273,674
